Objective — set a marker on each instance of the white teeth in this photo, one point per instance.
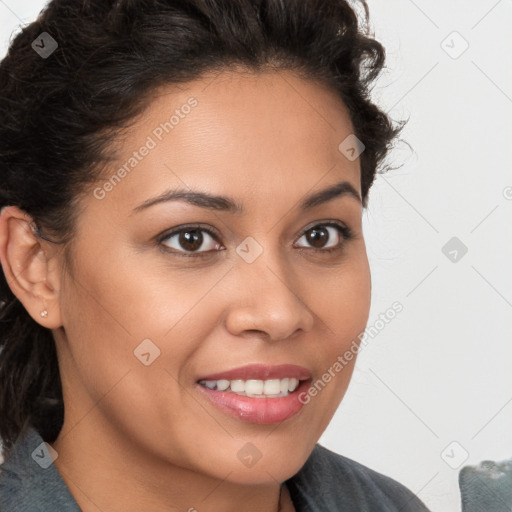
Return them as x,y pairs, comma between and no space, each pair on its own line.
254,387
222,384
237,386
272,387
292,384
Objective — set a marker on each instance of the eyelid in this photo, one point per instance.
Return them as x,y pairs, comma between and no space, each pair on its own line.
177,229
345,232
324,222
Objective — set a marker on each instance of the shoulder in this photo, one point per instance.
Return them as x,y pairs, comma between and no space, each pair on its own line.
329,481
29,481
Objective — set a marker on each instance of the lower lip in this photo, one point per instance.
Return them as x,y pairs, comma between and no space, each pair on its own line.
257,410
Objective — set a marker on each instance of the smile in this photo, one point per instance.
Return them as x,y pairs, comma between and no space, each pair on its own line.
259,394
272,388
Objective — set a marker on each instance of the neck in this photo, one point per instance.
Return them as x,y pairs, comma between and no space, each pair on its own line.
110,473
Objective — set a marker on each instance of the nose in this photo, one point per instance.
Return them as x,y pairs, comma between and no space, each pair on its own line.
269,300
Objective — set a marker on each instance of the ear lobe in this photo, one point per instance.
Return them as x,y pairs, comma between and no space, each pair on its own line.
26,266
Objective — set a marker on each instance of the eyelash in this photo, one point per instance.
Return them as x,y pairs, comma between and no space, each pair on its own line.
345,231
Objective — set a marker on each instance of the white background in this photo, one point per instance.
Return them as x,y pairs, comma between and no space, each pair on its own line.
441,371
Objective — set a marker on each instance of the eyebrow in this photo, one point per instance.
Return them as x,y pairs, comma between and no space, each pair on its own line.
227,204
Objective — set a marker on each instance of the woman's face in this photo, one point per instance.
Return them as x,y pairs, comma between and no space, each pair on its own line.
148,311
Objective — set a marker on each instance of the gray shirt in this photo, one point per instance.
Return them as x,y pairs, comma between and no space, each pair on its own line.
328,482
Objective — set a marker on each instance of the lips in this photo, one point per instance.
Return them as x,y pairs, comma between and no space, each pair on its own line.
261,372
262,409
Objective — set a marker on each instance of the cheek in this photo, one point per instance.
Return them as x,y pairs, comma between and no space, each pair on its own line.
343,307
102,363
110,311
341,298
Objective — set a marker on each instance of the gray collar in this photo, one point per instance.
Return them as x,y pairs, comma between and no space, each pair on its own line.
327,482
29,481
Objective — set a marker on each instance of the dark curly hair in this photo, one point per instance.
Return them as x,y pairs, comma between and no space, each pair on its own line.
60,115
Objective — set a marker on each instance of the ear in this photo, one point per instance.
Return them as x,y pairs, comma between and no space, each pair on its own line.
29,266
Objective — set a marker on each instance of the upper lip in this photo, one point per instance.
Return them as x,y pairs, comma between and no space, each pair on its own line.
261,372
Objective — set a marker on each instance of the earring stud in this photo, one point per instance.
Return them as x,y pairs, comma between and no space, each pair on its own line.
44,313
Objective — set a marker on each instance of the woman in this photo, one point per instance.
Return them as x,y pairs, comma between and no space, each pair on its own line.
182,185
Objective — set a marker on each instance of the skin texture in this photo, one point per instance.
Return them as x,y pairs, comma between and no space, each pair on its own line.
139,437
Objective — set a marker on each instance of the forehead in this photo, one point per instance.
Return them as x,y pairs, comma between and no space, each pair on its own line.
246,135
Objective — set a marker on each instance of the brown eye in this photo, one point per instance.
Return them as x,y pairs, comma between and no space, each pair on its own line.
190,239
196,241
321,234
317,237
